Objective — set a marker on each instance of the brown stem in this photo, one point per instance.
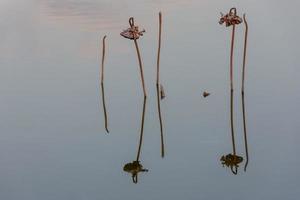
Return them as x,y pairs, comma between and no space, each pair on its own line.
103,56
231,57
160,121
245,52
234,171
159,45
141,66
142,130
135,178
104,108
231,122
233,10
102,85
245,132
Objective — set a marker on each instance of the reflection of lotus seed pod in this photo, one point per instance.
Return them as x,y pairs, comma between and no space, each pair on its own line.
231,160
134,167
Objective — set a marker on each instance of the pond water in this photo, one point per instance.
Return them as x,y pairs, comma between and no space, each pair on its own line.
53,143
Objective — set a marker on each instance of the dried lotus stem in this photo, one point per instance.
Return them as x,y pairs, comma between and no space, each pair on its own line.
141,130
102,85
133,33
245,52
159,45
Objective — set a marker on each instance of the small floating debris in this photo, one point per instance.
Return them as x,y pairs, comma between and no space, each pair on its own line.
162,92
206,94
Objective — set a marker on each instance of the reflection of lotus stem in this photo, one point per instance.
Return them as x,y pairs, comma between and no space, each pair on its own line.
159,44
245,132
231,120
160,122
142,130
245,51
158,88
236,169
103,55
104,109
231,57
141,66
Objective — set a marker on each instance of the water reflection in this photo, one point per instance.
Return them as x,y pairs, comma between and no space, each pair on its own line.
159,98
135,166
160,92
104,108
93,14
232,160
245,132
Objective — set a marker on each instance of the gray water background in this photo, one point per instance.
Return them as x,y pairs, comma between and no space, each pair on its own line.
52,139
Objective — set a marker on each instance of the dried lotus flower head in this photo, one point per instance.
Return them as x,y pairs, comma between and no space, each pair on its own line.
230,18
132,32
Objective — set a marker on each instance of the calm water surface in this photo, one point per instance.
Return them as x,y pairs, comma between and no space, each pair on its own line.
53,143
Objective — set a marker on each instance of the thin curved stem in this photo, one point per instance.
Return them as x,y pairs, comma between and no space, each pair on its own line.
141,66
231,122
103,56
131,21
160,122
236,170
142,130
232,10
245,52
231,57
245,132
159,45
104,109
135,178
102,85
